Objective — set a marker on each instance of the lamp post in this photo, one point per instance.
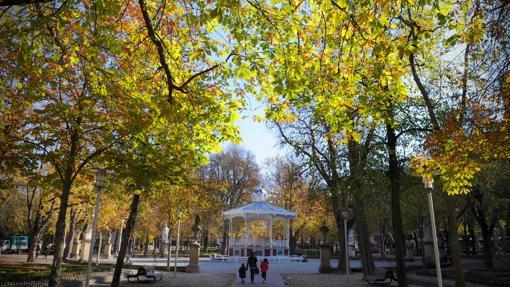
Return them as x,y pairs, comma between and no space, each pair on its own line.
177,243
345,213
429,185
169,255
119,236
99,183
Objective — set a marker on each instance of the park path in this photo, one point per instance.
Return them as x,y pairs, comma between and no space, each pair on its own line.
274,279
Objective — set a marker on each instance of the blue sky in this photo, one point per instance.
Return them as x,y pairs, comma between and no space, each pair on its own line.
257,137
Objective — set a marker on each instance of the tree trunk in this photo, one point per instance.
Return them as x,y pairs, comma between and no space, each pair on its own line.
396,213
382,246
292,240
339,221
146,246
487,248
60,232
70,233
357,157
367,261
133,213
472,235
487,229
454,240
205,239
32,244
225,238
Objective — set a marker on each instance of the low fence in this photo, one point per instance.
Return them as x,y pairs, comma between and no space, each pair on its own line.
67,279
431,282
452,284
484,284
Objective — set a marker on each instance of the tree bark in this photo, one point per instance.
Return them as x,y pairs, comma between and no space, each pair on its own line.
487,228
206,238
382,245
70,233
146,245
339,220
487,249
32,244
133,213
472,235
367,261
60,232
67,183
396,213
38,224
225,238
454,241
292,240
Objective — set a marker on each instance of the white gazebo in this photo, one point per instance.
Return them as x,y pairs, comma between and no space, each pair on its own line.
258,210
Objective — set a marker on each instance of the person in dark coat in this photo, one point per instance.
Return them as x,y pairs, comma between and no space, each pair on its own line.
242,272
252,265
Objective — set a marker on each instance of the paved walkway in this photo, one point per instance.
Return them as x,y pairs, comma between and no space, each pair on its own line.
274,279
274,275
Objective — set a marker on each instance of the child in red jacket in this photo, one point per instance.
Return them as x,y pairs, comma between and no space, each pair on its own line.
263,269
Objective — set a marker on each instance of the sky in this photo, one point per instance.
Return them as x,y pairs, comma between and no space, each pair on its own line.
256,136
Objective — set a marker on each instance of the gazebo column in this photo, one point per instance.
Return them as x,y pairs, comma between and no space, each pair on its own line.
287,233
246,235
229,244
271,235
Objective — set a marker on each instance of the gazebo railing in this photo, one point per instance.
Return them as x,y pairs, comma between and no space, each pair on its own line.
258,243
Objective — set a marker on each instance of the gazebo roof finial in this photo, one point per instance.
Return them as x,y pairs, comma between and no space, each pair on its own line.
259,194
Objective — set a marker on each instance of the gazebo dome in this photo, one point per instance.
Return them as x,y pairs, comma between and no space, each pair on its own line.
259,206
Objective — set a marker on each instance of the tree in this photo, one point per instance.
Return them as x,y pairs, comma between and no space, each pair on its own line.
463,136
341,59
71,103
163,150
286,177
84,104
308,138
488,200
39,214
230,176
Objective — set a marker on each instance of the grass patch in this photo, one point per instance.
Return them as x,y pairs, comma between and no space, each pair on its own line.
493,276
27,269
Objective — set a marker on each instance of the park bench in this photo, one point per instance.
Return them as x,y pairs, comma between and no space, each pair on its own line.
146,273
296,258
217,257
380,277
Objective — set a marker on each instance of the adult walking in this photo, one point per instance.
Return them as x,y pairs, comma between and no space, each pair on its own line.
252,265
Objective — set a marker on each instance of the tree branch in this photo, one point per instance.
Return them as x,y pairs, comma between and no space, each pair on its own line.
159,45
181,87
413,130
424,93
21,2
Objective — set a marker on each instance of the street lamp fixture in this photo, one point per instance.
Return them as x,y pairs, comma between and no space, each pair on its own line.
429,185
428,182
